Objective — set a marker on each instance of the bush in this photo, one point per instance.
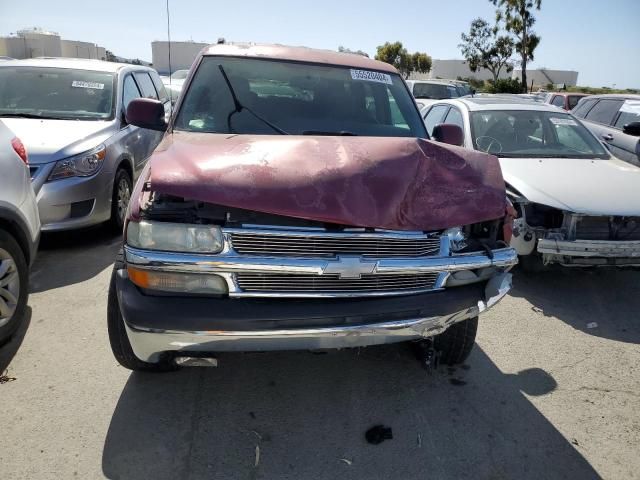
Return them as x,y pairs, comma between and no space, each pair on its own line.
506,85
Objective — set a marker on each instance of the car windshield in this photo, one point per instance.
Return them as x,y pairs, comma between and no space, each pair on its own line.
530,133
59,93
463,90
297,98
435,91
179,74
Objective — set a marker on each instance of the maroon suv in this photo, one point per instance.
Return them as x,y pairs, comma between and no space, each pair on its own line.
296,202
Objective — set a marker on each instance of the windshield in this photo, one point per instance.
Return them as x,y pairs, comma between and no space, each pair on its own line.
530,133
179,74
58,93
298,98
463,90
435,91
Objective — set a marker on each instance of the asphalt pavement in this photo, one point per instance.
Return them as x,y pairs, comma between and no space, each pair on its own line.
551,390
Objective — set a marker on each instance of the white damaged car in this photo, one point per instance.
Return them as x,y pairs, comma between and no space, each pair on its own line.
577,204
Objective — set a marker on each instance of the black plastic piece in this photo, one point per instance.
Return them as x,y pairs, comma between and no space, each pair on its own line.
378,434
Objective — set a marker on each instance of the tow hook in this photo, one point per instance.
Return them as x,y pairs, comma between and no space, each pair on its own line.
427,355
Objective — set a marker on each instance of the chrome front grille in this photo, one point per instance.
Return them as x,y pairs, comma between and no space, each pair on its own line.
326,244
297,283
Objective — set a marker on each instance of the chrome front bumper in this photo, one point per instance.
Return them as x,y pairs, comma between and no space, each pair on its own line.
149,344
590,252
227,264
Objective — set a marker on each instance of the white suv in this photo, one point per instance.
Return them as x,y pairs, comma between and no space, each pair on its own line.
19,231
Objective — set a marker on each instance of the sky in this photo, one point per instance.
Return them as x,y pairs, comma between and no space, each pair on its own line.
598,39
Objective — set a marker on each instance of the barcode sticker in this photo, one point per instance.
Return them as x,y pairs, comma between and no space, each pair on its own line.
370,76
81,84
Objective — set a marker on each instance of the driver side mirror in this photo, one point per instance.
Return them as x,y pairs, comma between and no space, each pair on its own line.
632,128
448,133
147,113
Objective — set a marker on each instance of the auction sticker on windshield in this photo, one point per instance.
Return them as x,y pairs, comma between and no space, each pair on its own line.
563,121
371,76
81,84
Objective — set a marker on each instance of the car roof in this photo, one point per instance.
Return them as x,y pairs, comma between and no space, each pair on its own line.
498,102
437,81
566,94
296,54
618,96
74,63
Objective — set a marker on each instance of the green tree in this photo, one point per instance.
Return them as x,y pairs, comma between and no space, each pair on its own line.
505,85
110,56
519,21
396,55
482,47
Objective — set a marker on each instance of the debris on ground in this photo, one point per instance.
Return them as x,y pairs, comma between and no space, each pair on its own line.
378,434
419,440
257,462
457,382
537,309
346,460
592,325
4,378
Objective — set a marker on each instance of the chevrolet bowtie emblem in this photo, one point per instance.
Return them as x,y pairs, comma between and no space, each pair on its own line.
350,267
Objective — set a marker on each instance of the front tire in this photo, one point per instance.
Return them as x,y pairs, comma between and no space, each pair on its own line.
456,342
120,345
122,187
14,286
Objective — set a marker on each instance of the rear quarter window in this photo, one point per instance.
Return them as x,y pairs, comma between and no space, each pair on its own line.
604,111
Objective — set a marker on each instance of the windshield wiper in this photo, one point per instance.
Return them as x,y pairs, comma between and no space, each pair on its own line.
239,107
342,133
29,115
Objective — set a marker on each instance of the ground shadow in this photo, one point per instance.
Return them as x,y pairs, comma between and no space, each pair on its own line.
581,297
296,415
66,258
9,349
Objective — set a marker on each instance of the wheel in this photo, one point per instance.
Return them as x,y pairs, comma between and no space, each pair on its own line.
456,342
14,286
122,186
120,345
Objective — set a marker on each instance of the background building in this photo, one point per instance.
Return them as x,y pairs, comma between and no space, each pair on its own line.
542,77
35,42
452,69
182,55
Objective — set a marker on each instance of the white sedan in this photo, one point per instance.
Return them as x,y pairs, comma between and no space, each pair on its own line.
577,204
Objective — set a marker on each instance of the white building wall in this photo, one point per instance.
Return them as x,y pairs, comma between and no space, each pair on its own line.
541,77
38,43
452,69
76,49
182,55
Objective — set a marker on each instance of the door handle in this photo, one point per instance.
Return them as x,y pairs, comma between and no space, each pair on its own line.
608,137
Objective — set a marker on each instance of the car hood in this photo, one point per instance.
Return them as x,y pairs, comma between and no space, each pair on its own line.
389,183
50,140
592,187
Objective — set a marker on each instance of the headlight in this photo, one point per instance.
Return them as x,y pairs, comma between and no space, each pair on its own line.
457,240
82,165
175,237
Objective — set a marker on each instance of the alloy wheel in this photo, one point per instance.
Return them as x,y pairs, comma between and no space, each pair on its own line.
124,195
9,287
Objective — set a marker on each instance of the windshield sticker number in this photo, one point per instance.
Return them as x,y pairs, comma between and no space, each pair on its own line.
563,121
370,76
93,85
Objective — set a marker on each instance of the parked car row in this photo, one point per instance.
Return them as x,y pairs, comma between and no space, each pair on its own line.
577,203
68,156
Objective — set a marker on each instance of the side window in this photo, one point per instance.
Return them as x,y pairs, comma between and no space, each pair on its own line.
583,107
629,112
146,85
454,117
558,101
604,111
129,91
434,117
573,101
162,93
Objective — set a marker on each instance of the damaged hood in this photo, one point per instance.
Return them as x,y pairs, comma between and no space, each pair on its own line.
388,183
591,187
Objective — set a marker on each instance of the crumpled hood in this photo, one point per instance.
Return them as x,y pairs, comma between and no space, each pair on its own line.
592,187
388,183
51,140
